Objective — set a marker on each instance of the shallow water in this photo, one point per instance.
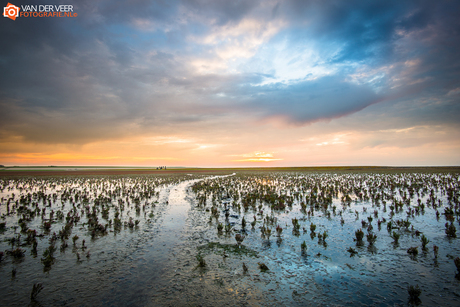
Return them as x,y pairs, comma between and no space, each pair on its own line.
154,263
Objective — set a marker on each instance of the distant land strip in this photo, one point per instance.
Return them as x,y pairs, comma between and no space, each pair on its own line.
85,171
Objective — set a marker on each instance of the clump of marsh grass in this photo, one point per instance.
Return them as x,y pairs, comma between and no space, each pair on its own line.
36,288
413,251
359,234
201,261
325,235
389,226
239,239
414,293
17,253
296,225
457,265
371,238
266,232
303,247
425,241
245,268
220,227
228,228
352,251
253,223
64,245
451,231
395,236
279,230
263,267
48,256
322,238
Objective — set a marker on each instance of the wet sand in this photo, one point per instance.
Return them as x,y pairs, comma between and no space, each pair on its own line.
154,263
13,172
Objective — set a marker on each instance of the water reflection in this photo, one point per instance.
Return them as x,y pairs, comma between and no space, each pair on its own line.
142,235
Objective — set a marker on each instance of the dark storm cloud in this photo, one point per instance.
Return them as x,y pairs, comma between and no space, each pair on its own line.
371,32
366,29
125,65
222,11
363,27
299,103
309,101
390,34
63,82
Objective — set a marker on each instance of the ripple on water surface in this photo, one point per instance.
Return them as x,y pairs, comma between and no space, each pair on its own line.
165,222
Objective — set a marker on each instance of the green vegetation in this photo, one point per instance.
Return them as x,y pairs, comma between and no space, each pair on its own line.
371,238
263,267
413,251
201,261
221,249
359,234
395,236
414,293
425,241
338,206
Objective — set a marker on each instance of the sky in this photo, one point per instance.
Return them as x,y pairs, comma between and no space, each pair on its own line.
232,83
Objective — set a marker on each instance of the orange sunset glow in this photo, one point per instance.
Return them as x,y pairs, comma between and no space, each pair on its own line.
271,85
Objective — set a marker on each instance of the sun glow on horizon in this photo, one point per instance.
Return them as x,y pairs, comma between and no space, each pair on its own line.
227,84
257,156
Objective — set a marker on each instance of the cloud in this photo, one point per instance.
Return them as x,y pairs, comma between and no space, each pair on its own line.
196,69
221,12
313,100
257,156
